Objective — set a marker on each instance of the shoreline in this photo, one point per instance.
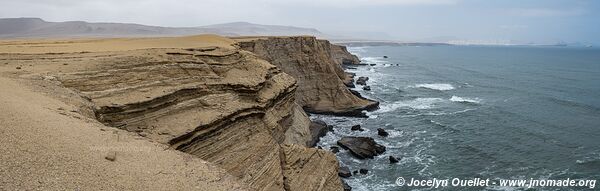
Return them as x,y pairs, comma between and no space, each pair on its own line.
118,88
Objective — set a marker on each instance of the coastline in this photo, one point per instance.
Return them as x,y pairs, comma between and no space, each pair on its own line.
234,86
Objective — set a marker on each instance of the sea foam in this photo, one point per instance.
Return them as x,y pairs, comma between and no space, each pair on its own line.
419,103
464,100
440,87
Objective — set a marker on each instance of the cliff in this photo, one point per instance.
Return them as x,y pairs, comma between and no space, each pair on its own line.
316,65
199,95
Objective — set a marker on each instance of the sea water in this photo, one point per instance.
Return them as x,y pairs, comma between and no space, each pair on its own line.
503,112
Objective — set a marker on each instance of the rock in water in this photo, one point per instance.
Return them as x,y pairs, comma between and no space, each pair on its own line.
367,88
334,149
385,56
361,147
344,172
318,129
382,132
346,186
363,171
393,160
356,128
362,80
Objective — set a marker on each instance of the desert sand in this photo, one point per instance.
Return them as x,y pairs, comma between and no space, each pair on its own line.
173,113
48,143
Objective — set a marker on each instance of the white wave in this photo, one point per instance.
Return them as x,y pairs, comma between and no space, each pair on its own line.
419,103
441,87
373,60
356,49
464,100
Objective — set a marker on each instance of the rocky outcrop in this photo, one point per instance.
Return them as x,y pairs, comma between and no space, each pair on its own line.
318,129
310,169
221,104
342,56
315,64
361,147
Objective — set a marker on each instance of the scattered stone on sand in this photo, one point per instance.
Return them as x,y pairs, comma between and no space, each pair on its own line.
111,156
18,67
367,88
356,128
344,172
382,132
361,147
393,160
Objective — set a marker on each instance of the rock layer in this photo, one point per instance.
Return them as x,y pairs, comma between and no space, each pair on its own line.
316,65
219,103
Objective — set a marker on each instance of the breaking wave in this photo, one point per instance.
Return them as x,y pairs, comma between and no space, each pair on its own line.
419,103
464,100
440,87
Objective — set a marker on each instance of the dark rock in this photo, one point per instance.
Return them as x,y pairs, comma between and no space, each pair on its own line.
393,160
318,129
111,156
319,147
363,171
344,172
372,64
350,85
346,186
356,93
356,128
361,147
362,80
355,172
382,132
334,149
18,67
385,56
367,88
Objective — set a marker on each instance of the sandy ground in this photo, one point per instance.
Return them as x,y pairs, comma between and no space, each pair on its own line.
109,44
47,143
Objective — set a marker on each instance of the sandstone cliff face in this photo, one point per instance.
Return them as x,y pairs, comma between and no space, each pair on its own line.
342,56
315,64
220,104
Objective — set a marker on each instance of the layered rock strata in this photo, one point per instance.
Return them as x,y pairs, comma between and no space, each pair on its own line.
316,65
221,104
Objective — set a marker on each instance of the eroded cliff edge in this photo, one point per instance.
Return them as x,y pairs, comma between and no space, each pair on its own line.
317,66
219,103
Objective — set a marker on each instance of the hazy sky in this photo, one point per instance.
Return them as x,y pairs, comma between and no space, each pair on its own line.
540,21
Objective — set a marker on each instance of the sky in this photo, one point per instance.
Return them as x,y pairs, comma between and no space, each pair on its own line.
514,21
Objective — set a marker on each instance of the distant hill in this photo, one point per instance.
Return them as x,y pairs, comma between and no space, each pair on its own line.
36,27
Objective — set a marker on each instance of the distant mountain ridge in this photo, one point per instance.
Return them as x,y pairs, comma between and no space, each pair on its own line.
36,27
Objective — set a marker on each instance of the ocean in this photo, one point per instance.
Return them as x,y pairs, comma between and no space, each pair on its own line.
497,112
